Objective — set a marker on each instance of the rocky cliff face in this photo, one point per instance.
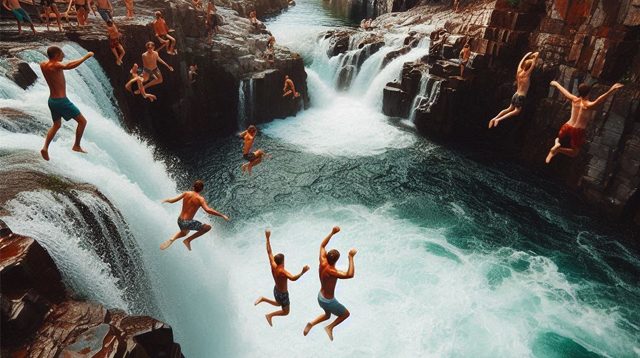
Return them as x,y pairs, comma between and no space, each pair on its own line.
188,111
39,319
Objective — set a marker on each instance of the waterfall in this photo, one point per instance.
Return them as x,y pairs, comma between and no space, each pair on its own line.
246,103
427,95
123,167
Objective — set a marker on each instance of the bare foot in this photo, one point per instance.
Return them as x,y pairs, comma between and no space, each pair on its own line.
553,151
329,331
244,168
258,301
307,328
166,244
491,123
45,154
136,92
187,243
77,148
269,319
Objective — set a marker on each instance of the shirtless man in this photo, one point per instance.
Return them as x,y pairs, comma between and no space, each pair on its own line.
150,59
329,276
19,13
162,33
59,104
49,6
289,88
464,56
129,5
581,115
114,42
192,201
523,79
253,158
82,8
137,78
105,9
281,276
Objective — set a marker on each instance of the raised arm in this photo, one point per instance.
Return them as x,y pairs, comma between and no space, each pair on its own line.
213,212
563,90
534,58
323,251
604,96
267,234
296,277
75,63
173,200
241,135
523,59
351,271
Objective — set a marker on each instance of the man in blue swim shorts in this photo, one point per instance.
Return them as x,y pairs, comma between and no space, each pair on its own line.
59,104
192,201
19,13
329,276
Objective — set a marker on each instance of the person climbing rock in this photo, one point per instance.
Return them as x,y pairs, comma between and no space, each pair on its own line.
281,276
59,105
114,42
464,56
289,88
49,6
192,201
19,13
252,158
523,80
150,71
162,33
329,276
137,78
581,114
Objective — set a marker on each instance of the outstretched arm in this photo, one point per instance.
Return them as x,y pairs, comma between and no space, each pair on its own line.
213,212
173,200
164,63
604,96
75,63
323,251
563,90
267,233
296,277
351,271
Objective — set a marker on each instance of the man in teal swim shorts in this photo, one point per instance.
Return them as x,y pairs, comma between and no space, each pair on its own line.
59,104
329,276
19,13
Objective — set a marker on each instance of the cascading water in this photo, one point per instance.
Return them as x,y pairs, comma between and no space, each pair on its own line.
427,95
124,169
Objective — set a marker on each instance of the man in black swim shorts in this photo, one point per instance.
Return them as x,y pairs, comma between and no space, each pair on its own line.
253,158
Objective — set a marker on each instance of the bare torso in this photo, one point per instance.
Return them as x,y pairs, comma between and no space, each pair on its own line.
328,281
14,4
280,278
465,54
524,80
248,143
150,60
289,86
104,4
54,76
160,27
191,202
113,32
581,114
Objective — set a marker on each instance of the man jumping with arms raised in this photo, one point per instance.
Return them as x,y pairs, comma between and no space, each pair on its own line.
59,104
191,202
281,276
581,115
329,276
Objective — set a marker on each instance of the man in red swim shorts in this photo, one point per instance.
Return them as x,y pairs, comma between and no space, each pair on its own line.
581,114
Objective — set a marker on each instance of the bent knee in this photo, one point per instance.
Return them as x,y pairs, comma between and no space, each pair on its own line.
57,124
206,227
286,310
517,110
346,314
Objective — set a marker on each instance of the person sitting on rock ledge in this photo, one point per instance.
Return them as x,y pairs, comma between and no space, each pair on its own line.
523,80
289,88
192,201
581,114
150,59
114,42
254,19
253,158
19,13
464,56
162,33
49,6
281,276
59,104
137,78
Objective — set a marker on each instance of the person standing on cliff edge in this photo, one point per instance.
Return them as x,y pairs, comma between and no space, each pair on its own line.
281,276
192,201
523,79
329,276
464,56
19,13
59,104
581,115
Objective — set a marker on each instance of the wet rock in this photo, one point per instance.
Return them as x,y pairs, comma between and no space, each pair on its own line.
22,74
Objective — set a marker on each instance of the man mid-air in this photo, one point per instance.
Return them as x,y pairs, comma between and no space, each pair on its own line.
252,158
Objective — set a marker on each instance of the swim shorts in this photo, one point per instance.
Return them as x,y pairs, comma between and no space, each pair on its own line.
192,225
331,306
105,14
575,135
62,108
21,15
281,297
250,157
518,101
152,73
113,43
